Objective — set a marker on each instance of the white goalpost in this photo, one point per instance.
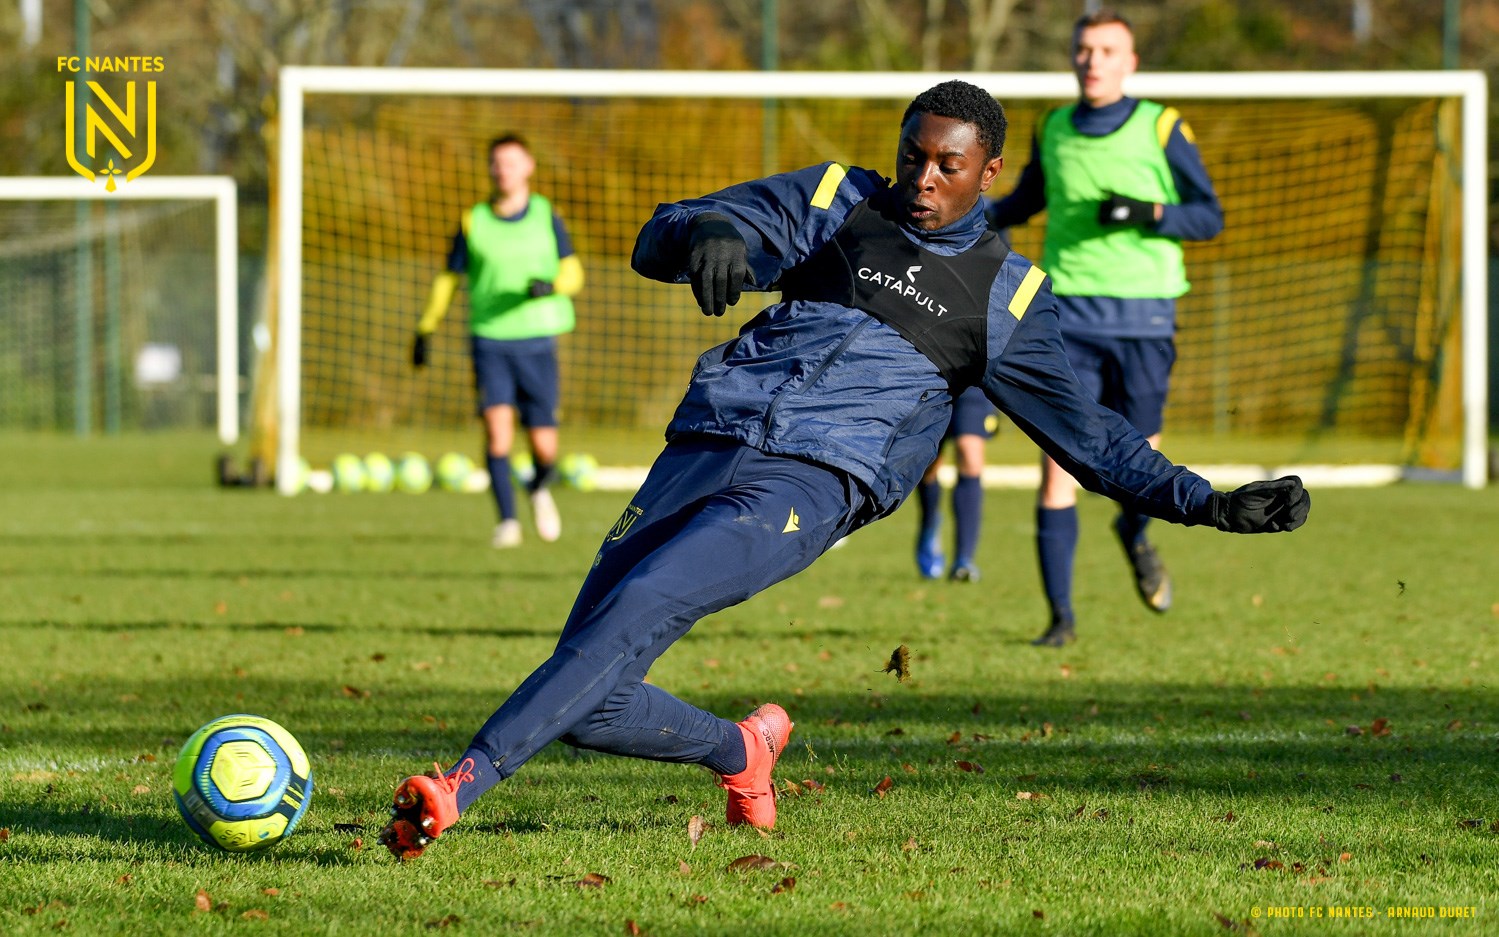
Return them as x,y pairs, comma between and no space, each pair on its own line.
1448,334
218,190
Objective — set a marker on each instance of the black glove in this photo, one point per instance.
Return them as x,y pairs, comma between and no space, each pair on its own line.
419,350
540,288
716,262
1262,507
1121,209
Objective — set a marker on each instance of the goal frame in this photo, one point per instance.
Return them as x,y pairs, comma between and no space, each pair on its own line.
221,191
296,82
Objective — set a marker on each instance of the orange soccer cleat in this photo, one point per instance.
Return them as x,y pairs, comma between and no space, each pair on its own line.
752,796
423,807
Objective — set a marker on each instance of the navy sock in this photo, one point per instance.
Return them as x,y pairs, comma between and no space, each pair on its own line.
499,486
546,473
929,498
1056,543
476,775
1131,527
968,509
728,757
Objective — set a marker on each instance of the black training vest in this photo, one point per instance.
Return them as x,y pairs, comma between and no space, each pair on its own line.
939,304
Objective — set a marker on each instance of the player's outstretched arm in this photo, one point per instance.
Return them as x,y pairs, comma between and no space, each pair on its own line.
1033,383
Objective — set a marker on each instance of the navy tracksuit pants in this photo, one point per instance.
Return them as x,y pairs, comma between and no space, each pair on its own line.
714,523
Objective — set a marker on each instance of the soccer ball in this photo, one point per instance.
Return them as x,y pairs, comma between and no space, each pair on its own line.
522,468
581,470
413,474
242,783
348,473
379,472
453,471
302,479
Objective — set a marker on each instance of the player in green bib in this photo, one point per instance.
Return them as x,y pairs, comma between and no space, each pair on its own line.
1122,185
522,273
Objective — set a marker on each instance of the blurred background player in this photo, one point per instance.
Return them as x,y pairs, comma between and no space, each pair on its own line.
819,417
522,273
974,421
1122,185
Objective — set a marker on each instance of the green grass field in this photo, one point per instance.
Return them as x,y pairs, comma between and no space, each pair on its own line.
1181,774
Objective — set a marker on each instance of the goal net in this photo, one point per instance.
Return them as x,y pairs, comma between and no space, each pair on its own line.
120,308
1334,321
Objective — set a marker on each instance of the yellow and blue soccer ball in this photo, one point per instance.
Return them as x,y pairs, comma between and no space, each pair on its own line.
242,783
453,470
348,473
413,473
581,470
379,472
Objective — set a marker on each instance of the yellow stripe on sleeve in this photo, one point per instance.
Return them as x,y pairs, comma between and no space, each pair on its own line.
1166,121
828,187
1026,292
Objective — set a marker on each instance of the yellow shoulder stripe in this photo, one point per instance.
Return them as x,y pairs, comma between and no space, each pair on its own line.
466,220
1166,121
1026,292
828,187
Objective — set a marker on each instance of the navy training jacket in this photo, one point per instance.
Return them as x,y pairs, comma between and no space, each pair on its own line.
880,325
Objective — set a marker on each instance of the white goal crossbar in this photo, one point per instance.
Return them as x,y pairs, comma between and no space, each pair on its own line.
217,189
297,82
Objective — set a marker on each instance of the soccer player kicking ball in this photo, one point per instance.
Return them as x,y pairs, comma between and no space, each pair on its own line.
820,417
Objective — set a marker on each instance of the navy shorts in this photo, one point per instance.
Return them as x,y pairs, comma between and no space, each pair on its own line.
973,415
520,373
1128,375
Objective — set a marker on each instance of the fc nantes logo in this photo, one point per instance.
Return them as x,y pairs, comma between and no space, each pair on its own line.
118,129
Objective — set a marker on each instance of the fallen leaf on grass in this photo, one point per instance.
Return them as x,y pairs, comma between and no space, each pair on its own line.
969,766
785,884
1354,730
357,843
4,833
633,929
1379,728
683,868
141,789
1029,795
202,902
900,664
695,829
881,788
1344,857
124,879
813,786
1038,914
593,880
755,862
1272,865
255,914
1471,824
442,922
